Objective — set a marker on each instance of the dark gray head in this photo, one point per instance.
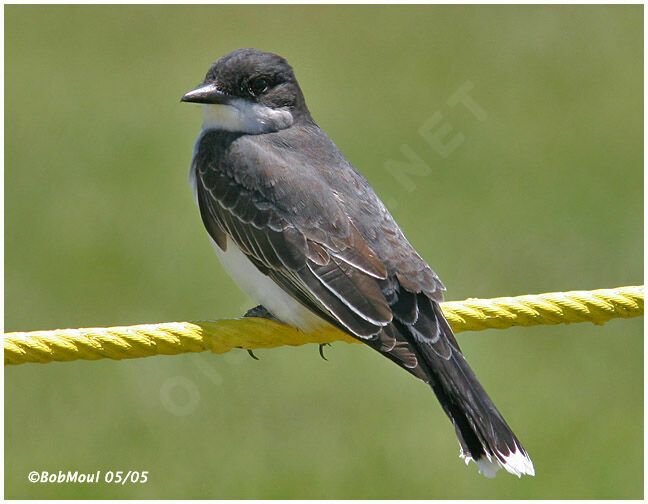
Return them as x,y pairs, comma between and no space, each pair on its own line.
250,91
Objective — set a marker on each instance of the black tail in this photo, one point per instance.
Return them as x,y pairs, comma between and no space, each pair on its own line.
427,348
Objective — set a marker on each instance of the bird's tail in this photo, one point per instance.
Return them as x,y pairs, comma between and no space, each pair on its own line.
483,434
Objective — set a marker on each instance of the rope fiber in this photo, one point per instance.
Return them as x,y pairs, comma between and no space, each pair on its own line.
220,336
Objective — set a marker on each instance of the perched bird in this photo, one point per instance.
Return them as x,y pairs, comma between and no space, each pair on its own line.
303,233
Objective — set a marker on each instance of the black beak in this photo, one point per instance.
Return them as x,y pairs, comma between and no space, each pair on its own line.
207,93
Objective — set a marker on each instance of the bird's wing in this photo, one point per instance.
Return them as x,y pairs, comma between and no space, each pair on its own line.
317,256
295,229
376,224
412,289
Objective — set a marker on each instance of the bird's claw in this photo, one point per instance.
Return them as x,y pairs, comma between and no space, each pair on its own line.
321,350
252,354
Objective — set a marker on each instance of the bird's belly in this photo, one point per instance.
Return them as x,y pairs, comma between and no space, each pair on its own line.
264,291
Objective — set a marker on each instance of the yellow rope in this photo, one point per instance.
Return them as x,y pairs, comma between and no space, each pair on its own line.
221,336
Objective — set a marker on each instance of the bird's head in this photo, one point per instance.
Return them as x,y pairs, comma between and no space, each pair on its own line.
250,91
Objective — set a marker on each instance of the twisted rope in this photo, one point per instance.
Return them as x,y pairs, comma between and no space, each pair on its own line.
221,336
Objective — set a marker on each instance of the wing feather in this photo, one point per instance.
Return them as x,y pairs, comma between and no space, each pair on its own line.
312,249
356,289
337,278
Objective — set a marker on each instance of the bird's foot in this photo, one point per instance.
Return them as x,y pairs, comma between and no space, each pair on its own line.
261,312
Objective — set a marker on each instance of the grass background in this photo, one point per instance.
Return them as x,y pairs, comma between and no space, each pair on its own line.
544,194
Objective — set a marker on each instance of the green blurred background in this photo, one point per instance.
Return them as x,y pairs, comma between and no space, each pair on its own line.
544,193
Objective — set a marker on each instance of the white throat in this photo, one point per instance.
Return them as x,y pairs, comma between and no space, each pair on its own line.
243,116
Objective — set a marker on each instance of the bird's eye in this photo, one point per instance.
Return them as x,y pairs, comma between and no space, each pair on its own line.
258,86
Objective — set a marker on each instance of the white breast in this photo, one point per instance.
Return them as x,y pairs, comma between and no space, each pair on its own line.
264,291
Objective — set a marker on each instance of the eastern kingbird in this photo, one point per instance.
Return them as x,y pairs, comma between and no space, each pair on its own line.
303,233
